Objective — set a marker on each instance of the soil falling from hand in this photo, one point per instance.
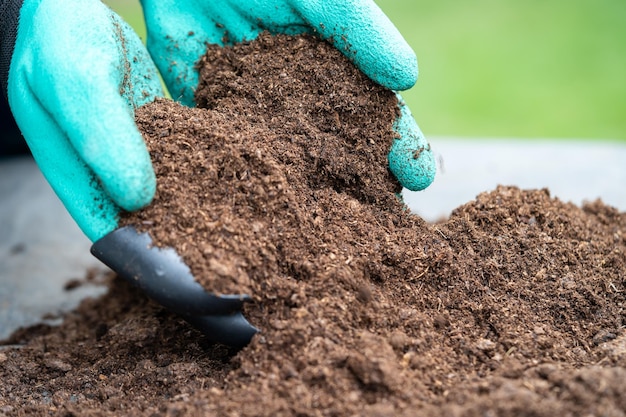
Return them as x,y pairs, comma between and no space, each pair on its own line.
278,187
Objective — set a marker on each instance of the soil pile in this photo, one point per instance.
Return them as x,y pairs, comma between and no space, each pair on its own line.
247,189
280,188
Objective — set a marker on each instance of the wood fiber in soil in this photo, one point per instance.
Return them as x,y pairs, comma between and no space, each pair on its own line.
279,187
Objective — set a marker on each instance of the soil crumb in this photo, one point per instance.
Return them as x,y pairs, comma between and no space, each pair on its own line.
278,187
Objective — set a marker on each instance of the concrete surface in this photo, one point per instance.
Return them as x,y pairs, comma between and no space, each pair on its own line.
41,249
574,171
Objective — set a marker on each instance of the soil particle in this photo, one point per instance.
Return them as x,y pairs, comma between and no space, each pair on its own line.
278,187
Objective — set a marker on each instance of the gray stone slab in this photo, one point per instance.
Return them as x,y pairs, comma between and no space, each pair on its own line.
41,250
573,171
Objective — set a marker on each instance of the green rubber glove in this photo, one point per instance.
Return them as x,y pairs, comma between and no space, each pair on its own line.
178,31
76,75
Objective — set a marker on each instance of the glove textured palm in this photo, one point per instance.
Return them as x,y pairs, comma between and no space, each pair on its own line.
77,73
178,31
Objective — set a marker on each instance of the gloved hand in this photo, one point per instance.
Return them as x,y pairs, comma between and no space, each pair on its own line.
76,74
178,31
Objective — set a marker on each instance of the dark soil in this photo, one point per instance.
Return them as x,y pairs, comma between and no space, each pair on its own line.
279,188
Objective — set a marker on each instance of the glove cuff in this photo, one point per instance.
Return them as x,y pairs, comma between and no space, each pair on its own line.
9,19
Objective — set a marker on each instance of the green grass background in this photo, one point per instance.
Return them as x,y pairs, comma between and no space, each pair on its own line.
506,68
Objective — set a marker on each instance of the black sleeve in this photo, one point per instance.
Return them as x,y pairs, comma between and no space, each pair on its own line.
9,17
11,140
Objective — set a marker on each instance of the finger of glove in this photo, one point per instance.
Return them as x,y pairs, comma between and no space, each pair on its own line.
364,34
100,124
410,158
81,75
101,127
139,82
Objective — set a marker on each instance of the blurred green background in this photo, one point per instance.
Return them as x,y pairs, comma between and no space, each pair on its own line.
522,69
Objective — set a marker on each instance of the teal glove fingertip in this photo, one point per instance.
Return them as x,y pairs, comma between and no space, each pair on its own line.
410,159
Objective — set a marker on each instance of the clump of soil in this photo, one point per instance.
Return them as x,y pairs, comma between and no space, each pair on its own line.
244,188
512,306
